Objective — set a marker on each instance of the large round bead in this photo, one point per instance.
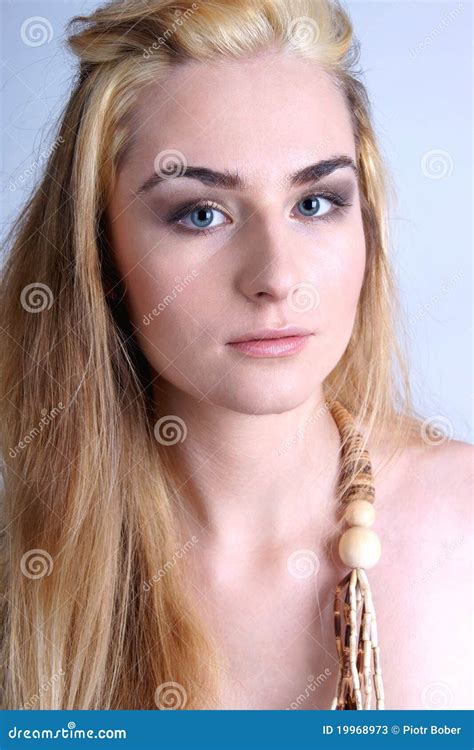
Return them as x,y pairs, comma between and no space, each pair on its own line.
359,547
360,513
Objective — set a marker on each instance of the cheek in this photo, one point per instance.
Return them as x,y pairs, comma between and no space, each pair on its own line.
339,272
174,299
162,303
160,283
171,307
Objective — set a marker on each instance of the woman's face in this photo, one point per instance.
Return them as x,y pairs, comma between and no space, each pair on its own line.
274,248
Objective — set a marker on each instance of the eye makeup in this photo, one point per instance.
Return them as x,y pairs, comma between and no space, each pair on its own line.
339,197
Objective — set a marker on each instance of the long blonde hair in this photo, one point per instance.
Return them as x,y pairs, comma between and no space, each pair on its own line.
87,510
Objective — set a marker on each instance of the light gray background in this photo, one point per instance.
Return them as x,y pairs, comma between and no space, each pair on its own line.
417,63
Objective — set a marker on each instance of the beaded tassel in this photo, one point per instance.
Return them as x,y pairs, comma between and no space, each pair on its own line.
359,548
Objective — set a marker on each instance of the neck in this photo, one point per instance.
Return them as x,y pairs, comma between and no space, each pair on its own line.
249,481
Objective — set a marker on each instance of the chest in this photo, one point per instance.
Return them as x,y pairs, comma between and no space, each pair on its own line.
276,643
275,632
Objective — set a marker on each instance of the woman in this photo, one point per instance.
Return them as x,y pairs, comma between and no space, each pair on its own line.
171,529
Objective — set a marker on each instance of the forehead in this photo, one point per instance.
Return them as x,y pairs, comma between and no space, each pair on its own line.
264,116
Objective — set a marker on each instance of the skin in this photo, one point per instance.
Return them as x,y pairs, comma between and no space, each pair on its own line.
259,463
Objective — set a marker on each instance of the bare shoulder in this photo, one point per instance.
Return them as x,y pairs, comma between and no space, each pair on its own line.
424,520
450,461
445,477
432,481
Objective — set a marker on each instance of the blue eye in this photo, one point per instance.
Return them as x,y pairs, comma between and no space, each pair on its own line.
201,217
311,205
198,217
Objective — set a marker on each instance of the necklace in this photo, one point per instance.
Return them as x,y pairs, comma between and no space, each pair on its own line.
359,548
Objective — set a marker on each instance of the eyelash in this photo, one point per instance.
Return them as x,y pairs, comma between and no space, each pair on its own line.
341,206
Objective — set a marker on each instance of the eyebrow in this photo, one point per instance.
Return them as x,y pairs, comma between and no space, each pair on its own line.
233,181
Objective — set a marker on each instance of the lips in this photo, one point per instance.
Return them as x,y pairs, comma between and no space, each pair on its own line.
282,342
271,333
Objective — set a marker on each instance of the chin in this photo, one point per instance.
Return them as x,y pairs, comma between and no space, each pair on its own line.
262,395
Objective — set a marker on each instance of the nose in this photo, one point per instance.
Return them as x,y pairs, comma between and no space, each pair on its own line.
273,260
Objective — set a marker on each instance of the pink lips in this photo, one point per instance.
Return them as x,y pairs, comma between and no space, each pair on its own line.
271,347
273,342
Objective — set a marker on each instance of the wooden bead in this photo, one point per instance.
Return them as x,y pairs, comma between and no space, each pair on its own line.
360,513
359,547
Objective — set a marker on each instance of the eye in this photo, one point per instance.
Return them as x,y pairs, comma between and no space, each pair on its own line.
316,205
201,217
322,206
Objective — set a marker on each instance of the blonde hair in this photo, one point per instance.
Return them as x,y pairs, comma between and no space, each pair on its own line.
89,502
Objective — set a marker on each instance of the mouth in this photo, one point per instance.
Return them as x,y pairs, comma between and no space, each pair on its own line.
272,342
